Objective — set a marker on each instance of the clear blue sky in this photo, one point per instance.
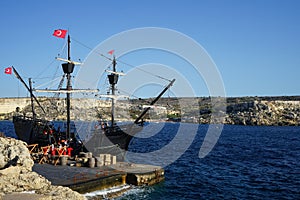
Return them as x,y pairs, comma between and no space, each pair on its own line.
254,43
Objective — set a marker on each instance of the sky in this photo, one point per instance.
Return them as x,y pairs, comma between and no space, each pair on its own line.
254,44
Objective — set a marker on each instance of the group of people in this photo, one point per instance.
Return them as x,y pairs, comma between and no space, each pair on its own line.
61,148
58,145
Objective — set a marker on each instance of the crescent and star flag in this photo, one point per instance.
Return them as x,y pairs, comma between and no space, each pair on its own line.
8,70
111,52
60,33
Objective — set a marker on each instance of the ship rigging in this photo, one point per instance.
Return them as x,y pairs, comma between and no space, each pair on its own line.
109,139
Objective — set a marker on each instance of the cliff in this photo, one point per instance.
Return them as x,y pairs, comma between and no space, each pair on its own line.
261,112
269,111
81,109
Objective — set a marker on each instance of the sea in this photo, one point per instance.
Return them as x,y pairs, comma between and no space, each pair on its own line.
246,162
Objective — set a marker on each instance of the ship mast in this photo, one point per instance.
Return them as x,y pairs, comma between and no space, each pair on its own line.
68,69
113,80
31,98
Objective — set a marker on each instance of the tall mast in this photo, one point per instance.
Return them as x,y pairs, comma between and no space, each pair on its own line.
68,69
68,88
31,98
113,80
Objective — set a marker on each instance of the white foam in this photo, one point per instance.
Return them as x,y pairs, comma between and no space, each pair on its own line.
137,192
107,191
29,192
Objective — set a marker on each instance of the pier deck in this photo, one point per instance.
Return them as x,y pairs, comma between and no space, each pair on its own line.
84,179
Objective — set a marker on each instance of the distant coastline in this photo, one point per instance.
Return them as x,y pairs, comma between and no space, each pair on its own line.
269,111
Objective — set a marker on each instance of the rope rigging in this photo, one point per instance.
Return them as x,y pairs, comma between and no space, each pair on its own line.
120,61
47,67
102,88
49,82
56,106
54,78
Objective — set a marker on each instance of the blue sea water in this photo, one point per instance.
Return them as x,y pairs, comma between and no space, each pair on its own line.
247,162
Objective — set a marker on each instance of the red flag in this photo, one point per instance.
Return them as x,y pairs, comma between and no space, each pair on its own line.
60,33
8,70
111,52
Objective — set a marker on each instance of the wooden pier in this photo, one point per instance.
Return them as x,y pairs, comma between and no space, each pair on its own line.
86,173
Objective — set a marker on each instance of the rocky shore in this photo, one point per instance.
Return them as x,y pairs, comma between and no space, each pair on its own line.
255,112
268,113
18,181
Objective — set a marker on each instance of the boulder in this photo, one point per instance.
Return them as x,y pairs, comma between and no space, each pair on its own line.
16,176
14,153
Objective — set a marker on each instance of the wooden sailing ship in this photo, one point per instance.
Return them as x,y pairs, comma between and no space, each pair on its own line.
111,138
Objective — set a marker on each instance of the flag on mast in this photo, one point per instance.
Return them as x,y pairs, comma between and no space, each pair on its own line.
111,52
60,33
8,70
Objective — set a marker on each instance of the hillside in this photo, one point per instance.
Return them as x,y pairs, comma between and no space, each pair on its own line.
277,111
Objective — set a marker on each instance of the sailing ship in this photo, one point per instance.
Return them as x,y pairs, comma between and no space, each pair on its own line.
109,138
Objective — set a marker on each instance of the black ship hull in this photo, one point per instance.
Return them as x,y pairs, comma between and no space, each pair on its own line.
111,140
31,131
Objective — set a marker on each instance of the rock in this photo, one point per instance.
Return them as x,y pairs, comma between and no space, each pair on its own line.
25,196
11,171
16,176
263,112
14,152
